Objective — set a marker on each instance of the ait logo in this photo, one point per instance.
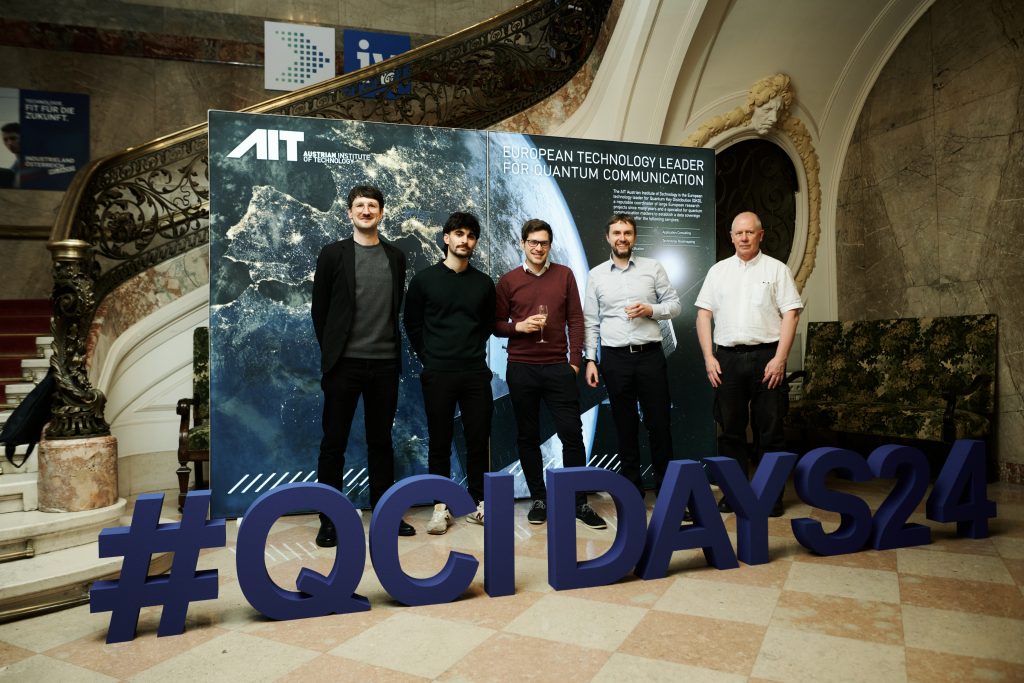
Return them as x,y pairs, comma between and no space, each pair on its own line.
268,142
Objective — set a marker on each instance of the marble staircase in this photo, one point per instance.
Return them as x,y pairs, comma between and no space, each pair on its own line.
47,560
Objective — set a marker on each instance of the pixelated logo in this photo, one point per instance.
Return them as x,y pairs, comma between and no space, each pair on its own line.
297,55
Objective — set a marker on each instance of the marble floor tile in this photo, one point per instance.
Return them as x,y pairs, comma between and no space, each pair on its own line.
1009,548
333,669
121,660
320,633
842,617
963,633
511,657
230,657
846,582
717,600
796,655
568,619
631,590
966,596
622,667
865,559
47,631
772,574
41,668
717,644
12,653
413,644
952,565
476,608
1016,569
927,666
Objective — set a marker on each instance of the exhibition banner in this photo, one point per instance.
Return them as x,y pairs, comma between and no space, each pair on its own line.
279,189
45,138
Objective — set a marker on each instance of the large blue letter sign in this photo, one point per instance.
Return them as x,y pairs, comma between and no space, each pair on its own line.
457,573
318,595
564,571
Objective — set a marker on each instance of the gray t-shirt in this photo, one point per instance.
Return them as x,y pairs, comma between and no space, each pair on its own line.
373,330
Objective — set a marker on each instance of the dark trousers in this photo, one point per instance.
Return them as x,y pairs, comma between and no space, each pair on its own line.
640,377
743,397
377,382
471,392
528,385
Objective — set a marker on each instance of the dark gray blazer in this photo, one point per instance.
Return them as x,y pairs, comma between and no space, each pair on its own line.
334,286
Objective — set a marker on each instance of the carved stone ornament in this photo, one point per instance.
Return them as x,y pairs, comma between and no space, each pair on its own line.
767,107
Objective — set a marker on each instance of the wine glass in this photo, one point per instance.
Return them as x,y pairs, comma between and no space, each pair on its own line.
542,310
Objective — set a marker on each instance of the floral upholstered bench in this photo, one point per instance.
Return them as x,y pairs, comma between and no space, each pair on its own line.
928,379
194,430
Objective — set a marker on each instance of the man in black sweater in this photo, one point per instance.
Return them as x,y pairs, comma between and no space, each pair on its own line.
449,313
357,293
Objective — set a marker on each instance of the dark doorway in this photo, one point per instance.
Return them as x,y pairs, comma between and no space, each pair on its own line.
758,176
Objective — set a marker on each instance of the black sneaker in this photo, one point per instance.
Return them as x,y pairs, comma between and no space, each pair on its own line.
538,513
778,509
586,516
328,535
405,529
723,505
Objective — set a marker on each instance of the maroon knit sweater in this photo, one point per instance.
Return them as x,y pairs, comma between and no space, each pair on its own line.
519,294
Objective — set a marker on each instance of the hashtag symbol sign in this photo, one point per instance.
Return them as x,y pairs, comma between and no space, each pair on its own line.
124,597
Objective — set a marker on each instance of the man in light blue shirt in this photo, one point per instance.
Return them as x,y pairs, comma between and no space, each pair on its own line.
626,297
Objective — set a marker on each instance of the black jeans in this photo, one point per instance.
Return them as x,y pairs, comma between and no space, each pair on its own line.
639,377
377,382
471,391
555,384
742,396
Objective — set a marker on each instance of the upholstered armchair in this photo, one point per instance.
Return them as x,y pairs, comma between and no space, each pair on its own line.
194,430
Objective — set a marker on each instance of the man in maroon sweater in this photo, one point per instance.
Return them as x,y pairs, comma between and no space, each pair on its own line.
537,304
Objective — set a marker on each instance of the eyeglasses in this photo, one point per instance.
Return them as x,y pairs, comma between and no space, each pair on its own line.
537,244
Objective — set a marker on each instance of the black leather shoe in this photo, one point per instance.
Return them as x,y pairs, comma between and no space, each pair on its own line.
328,535
687,515
723,505
778,509
405,529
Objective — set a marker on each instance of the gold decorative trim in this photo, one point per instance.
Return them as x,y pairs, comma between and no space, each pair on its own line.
770,99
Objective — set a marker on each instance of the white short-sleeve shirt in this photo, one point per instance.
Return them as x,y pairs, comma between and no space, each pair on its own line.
748,298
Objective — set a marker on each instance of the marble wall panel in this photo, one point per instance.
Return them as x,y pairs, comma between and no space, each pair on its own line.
976,50
963,298
31,261
399,16
185,91
953,188
902,92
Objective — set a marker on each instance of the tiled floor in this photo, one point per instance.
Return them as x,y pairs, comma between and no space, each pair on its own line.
952,610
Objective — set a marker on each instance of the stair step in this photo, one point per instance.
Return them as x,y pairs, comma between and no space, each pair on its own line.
18,346
60,579
34,369
16,392
18,492
49,532
22,307
35,325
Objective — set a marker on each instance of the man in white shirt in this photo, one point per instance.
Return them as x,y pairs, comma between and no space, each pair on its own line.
755,306
626,297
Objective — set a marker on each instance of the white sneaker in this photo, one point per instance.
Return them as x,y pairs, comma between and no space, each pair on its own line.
440,520
478,516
